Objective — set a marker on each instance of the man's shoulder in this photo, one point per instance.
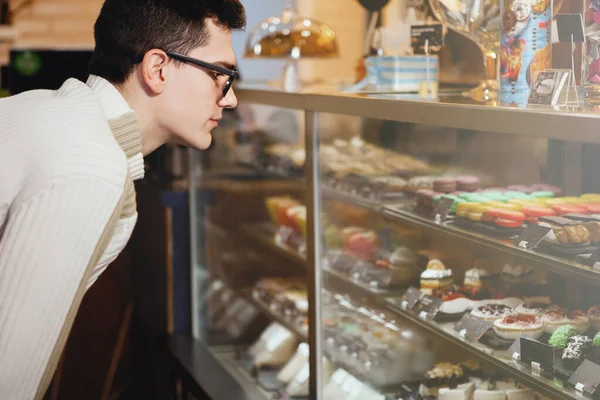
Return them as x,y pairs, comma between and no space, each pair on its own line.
64,131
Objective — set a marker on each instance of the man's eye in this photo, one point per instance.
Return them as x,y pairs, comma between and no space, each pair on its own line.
216,75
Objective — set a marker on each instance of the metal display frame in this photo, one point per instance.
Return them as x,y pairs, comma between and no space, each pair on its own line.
567,129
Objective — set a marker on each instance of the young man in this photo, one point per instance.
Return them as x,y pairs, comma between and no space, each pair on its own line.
161,71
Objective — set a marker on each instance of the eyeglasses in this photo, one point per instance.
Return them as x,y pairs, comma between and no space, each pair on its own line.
232,74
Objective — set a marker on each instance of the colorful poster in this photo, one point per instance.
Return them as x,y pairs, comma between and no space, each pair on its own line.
525,46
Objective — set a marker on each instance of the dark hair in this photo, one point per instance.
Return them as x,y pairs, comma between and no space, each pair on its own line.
127,29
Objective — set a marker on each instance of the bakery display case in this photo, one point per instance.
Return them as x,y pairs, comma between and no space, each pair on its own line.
399,248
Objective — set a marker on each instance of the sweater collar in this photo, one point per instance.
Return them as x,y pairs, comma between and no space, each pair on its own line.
123,123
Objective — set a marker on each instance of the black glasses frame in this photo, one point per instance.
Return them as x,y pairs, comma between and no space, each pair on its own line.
232,74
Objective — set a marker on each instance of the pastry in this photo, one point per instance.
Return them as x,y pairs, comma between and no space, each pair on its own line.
295,364
576,234
444,185
593,227
275,348
520,393
436,276
534,308
561,336
419,182
278,207
461,392
578,349
514,326
594,316
480,275
391,184
441,376
361,244
491,312
425,197
516,274
557,317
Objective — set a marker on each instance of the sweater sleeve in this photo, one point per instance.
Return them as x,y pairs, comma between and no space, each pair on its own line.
47,245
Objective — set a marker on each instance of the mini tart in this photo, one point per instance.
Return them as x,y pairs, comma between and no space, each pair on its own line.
534,308
594,316
557,317
492,312
514,326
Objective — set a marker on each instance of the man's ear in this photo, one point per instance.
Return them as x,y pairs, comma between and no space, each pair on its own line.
154,70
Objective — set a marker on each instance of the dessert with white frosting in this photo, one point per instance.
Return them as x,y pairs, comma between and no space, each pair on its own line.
578,349
515,274
492,312
516,325
557,317
534,308
436,276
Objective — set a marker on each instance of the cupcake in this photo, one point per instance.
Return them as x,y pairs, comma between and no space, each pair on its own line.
436,276
561,336
578,349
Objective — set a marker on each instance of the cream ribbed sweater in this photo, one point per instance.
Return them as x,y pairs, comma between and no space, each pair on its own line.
67,208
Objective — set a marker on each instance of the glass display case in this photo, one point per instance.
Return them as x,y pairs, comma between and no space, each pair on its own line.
387,247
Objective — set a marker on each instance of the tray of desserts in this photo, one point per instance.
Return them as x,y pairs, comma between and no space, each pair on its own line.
449,381
286,297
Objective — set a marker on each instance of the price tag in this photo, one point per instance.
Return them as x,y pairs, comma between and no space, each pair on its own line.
594,260
426,39
470,328
570,26
532,236
442,209
586,378
539,355
428,307
410,298
515,350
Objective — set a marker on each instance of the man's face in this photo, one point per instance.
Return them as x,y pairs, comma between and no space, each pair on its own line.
193,98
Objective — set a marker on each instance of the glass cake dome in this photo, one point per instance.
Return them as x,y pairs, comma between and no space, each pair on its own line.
292,37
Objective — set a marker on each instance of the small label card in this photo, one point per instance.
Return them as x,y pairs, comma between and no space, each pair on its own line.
570,26
428,307
532,236
442,209
470,328
515,350
586,379
594,260
549,88
537,354
426,39
410,298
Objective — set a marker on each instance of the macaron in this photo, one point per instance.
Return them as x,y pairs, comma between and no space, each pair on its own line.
467,183
537,211
545,187
544,194
520,188
562,209
516,195
444,185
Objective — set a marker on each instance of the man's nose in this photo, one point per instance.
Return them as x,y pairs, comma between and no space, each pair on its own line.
229,101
